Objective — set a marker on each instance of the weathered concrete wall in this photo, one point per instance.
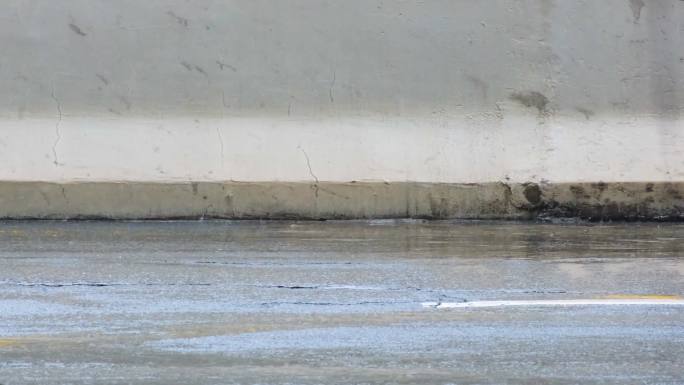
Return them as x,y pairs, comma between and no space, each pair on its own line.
329,200
307,92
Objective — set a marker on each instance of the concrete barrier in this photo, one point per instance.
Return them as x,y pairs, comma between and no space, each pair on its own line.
329,200
342,109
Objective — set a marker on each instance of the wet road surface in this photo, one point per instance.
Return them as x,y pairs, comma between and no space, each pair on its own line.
219,302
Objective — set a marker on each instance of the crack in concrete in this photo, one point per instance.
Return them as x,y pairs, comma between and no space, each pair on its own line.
57,131
308,163
332,86
274,263
294,287
66,200
334,193
45,197
218,133
97,284
223,100
277,303
223,65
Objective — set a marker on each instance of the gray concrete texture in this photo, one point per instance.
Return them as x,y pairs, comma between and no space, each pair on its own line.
161,58
504,108
218,302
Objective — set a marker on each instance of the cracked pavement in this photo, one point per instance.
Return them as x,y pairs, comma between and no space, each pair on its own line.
215,302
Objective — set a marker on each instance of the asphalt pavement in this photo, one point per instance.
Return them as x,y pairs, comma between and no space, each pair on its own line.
221,302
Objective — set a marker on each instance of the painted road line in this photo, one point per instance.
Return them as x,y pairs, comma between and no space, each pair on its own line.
562,302
7,342
642,296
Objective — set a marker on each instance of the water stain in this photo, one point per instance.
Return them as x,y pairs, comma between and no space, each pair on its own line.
187,65
532,99
480,84
76,29
124,101
201,70
586,112
180,20
636,6
103,79
533,193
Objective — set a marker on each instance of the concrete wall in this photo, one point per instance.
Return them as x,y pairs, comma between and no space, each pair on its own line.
549,92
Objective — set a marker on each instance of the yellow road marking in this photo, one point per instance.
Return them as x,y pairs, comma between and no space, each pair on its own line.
7,343
642,296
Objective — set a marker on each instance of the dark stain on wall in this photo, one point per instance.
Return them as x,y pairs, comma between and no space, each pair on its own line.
636,6
532,99
180,20
76,29
533,193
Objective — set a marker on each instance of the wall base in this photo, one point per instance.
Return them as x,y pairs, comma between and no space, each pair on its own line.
662,201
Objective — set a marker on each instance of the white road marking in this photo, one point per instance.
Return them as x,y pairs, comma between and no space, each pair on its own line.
561,302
